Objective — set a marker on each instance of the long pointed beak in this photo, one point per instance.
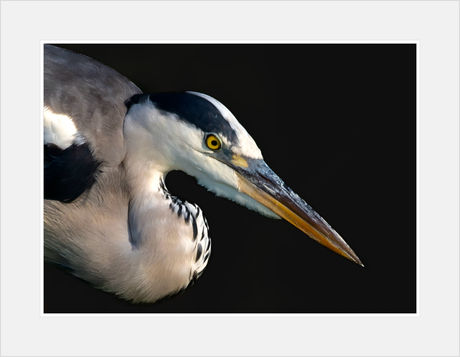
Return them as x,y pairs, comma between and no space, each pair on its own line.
258,181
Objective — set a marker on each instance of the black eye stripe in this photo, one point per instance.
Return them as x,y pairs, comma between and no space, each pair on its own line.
192,109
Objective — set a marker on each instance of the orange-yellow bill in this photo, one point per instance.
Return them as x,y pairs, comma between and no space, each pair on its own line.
258,181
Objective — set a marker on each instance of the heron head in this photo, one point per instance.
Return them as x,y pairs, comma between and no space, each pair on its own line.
195,133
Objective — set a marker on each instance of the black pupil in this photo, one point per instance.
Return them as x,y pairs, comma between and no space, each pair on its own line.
214,143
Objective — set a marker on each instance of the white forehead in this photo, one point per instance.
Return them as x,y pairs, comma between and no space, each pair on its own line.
247,146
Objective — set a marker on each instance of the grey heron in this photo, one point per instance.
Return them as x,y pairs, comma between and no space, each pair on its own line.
109,218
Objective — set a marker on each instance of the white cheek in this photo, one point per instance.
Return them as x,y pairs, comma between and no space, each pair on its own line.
221,173
222,181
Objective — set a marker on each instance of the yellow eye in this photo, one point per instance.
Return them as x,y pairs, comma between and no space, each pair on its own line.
213,142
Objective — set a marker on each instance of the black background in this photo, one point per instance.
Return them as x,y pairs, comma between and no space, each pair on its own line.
337,122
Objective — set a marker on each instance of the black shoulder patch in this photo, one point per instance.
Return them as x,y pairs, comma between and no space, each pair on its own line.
68,173
195,110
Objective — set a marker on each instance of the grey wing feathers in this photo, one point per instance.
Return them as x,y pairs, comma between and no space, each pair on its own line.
93,96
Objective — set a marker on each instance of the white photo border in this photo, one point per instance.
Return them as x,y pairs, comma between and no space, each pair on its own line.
432,25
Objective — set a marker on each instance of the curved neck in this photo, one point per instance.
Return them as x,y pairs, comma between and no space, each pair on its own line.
159,240
146,201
